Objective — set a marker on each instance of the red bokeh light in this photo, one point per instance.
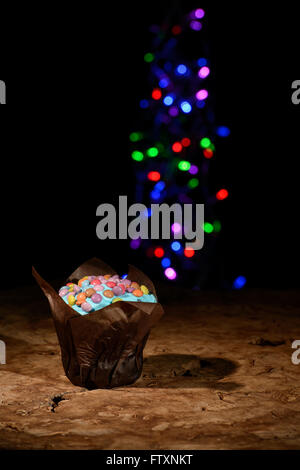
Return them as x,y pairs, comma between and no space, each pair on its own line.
154,176
159,252
186,142
150,252
156,94
189,252
177,147
176,29
222,194
208,153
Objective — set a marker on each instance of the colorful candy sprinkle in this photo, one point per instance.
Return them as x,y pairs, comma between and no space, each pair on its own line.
112,288
86,306
117,290
110,284
96,298
71,300
108,293
89,292
138,293
95,282
135,285
145,290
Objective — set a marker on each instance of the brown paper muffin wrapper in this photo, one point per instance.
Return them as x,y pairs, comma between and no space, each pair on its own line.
104,348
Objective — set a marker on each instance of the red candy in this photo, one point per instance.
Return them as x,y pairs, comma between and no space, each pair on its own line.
110,284
95,282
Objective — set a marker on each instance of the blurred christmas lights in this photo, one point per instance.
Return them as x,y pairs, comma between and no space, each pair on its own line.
172,156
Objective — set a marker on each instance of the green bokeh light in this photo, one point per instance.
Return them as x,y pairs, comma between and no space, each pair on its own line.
135,136
184,165
149,57
205,142
152,152
217,226
193,183
137,155
208,228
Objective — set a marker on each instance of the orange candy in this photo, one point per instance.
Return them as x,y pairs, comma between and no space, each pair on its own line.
107,276
138,293
81,280
108,293
80,298
135,285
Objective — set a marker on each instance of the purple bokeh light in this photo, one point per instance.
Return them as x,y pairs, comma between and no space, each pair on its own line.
204,72
170,273
202,95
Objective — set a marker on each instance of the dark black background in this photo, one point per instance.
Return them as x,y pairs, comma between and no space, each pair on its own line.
74,79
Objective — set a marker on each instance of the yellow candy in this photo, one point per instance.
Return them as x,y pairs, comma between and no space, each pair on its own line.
144,289
116,300
71,300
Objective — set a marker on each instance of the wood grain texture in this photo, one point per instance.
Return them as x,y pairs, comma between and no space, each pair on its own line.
217,375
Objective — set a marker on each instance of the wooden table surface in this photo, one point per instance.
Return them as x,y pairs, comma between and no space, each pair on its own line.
217,375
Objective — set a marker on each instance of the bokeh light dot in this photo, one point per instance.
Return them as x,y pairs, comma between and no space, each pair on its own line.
137,156
186,107
239,282
156,94
222,194
144,104
177,147
202,95
181,69
223,131
199,13
176,246
166,262
208,153
189,252
204,72
205,142
152,152
168,100
170,273
176,227
193,170
149,57
159,252
186,142
173,111
195,25
153,176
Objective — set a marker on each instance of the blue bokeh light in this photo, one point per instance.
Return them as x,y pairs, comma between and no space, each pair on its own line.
144,104
155,194
176,246
168,100
202,62
181,69
223,131
163,82
239,282
166,262
186,107
160,186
